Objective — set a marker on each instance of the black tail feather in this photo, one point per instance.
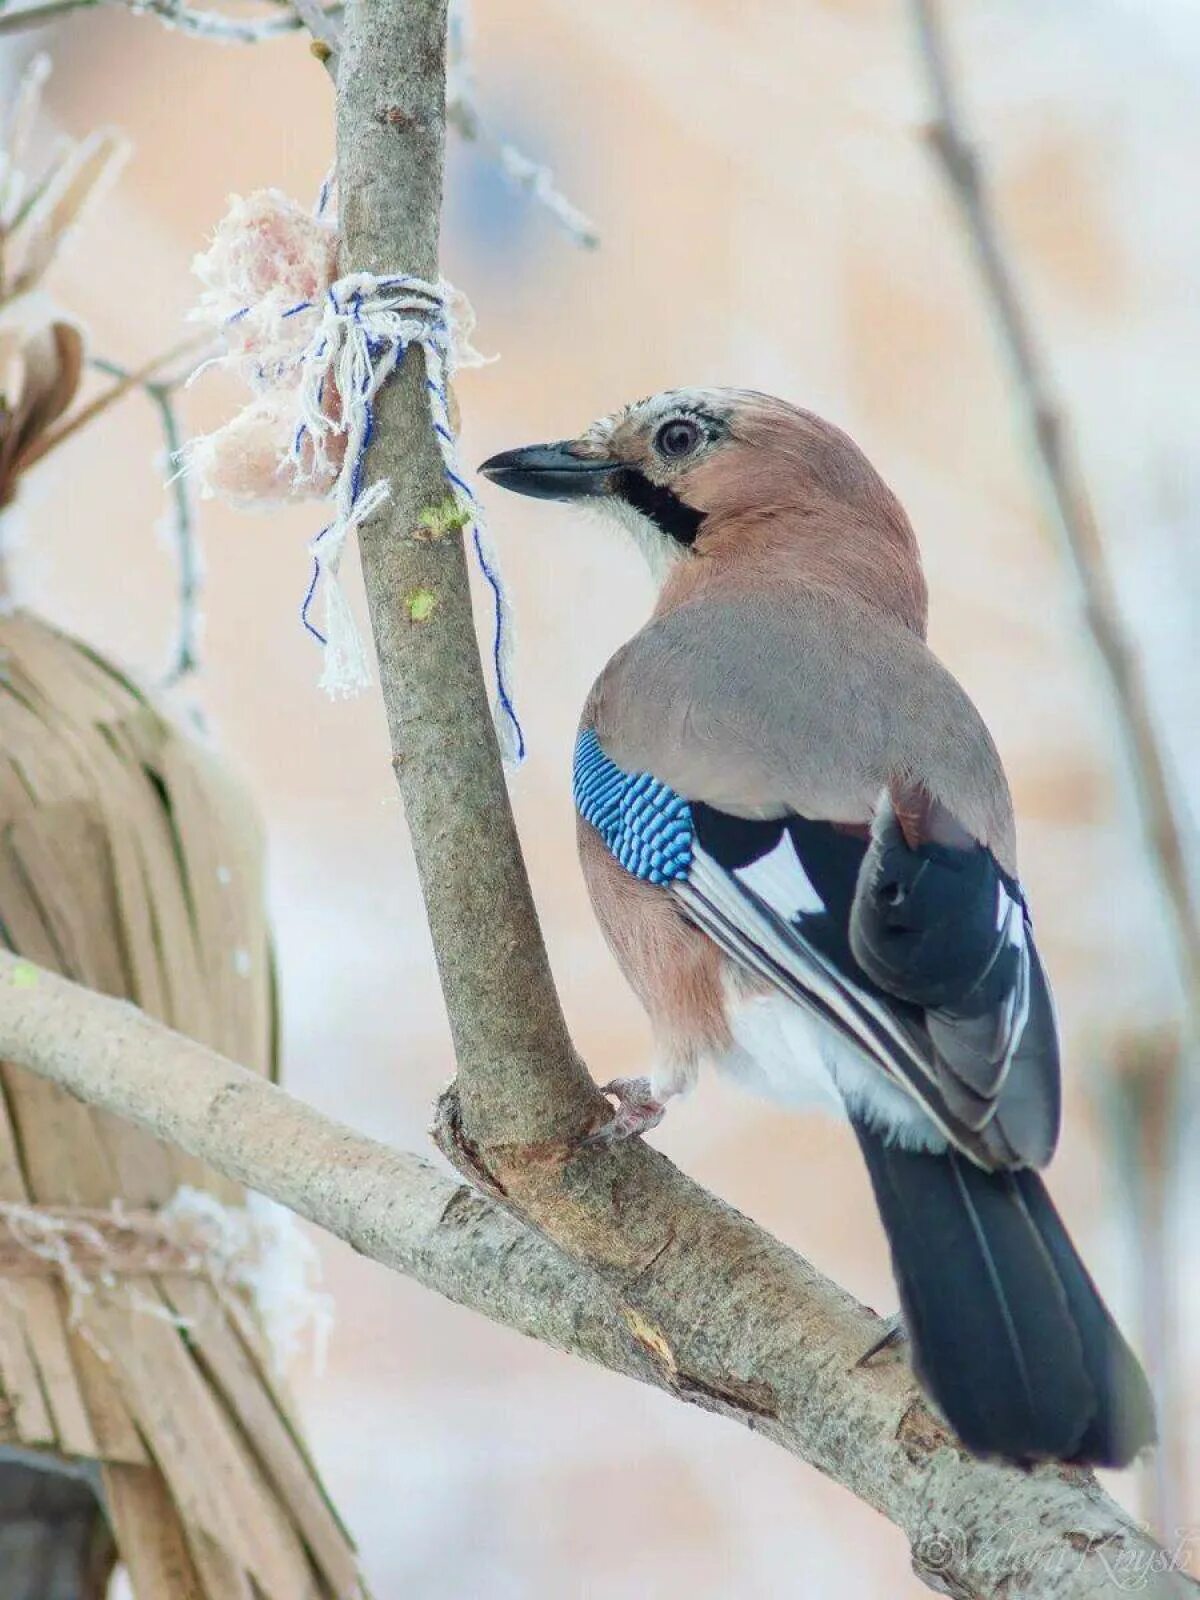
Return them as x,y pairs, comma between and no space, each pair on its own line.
1009,1335
1122,1421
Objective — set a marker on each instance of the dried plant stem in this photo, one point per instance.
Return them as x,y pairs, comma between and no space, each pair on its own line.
126,384
1069,505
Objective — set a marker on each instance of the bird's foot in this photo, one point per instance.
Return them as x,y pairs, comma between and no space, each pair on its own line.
637,1111
892,1336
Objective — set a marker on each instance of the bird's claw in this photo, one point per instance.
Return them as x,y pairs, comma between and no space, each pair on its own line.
637,1111
893,1334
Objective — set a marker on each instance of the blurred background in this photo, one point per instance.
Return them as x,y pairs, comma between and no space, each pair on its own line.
769,216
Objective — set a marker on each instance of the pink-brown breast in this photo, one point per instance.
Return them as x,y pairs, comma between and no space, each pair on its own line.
673,968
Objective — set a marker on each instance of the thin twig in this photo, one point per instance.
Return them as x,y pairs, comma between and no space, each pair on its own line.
175,14
323,25
1165,831
53,437
1138,1094
532,178
185,653
1147,1125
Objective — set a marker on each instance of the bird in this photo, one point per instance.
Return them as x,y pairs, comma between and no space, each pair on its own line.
798,839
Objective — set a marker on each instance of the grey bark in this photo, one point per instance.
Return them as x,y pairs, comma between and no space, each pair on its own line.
520,1081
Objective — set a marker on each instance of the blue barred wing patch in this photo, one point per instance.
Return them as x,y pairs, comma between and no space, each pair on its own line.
645,825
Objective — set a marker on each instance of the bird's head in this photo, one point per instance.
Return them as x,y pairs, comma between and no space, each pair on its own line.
757,486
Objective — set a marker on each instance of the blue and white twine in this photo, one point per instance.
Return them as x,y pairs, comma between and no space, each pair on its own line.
366,326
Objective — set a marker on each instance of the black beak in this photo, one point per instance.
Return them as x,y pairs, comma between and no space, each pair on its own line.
551,472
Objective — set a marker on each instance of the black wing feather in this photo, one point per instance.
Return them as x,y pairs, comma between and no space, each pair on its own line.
946,928
930,957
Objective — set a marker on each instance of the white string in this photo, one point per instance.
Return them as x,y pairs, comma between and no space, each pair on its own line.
366,326
257,1247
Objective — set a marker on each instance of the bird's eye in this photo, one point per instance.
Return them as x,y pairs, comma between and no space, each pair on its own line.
677,438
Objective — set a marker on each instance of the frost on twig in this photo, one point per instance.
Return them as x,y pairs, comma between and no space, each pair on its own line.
179,527
463,114
532,178
199,23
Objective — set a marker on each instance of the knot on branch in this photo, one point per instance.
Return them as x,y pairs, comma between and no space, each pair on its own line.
462,1153
393,116
920,1434
542,1201
502,1170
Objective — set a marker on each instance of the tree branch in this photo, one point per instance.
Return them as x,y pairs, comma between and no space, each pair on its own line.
520,1081
1069,506
323,25
746,1329
389,1205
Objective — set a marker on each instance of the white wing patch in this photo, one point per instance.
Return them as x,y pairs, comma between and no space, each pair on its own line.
779,878
895,1072
785,1054
722,907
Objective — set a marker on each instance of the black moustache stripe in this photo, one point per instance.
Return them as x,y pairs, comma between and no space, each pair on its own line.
666,510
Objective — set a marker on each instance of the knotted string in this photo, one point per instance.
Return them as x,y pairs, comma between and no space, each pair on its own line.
256,1247
366,326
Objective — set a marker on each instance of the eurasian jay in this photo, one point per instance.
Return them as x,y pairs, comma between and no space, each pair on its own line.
799,842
